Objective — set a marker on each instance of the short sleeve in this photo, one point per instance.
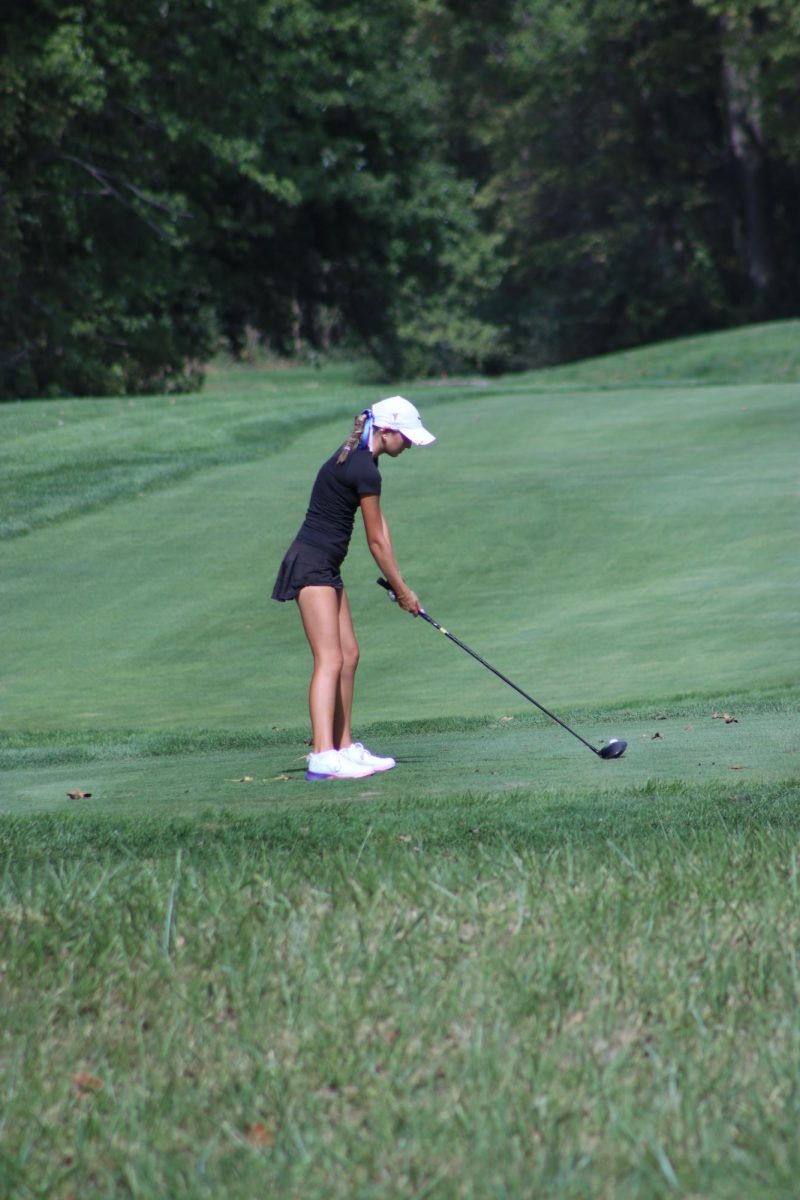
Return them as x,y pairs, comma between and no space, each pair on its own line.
367,476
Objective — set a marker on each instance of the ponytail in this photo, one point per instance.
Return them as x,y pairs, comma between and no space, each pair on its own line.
359,436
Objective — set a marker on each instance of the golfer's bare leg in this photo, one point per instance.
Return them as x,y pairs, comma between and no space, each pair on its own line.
319,608
342,732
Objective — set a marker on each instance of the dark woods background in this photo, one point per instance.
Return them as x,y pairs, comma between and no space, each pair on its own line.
449,185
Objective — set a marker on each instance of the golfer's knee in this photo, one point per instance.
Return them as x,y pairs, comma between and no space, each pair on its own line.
350,657
329,662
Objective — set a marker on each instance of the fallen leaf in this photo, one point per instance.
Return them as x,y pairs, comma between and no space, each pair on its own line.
404,837
258,1134
242,779
506,718
85,1083
77,794
466,932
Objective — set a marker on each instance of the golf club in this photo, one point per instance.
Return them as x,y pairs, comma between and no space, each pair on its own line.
614,747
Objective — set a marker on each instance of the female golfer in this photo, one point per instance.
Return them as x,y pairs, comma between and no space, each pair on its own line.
309,574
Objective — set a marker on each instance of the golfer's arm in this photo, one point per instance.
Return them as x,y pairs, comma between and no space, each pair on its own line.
380,543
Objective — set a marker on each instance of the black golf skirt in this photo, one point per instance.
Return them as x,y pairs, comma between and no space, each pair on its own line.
305,565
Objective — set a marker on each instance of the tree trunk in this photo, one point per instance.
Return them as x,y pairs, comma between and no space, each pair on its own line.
743,105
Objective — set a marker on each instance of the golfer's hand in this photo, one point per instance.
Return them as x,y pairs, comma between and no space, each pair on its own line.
409,602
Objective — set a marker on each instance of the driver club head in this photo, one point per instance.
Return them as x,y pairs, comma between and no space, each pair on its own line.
614,748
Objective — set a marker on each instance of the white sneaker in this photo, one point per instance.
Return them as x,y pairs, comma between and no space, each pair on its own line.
332,764
359,754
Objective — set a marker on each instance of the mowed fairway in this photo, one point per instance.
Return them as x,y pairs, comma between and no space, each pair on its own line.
506,968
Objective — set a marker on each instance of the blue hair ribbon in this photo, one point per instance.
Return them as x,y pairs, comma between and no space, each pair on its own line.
367,430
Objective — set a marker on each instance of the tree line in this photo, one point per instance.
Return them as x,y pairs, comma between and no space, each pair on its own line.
447,184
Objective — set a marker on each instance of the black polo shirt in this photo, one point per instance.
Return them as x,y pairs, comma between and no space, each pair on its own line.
335,498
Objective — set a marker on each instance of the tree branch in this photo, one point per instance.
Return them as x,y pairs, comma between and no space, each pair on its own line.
105,179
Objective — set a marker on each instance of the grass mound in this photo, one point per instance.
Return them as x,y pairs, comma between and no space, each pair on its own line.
768,353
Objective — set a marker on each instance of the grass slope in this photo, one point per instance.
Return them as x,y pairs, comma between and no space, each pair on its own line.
624,545
767,353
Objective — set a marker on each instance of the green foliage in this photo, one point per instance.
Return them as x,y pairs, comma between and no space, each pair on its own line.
601,136
450,186
99,294
176,171
608,149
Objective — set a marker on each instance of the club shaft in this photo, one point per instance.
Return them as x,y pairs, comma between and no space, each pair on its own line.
505,679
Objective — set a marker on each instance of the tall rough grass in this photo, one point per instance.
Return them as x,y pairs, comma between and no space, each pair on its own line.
615,1020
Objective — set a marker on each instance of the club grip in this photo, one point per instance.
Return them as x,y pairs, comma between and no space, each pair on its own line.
384,583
